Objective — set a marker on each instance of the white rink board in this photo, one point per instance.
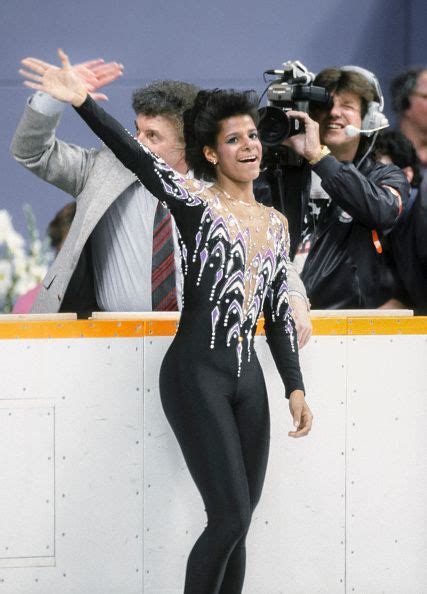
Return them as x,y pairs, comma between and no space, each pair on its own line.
299,524
125,512
95,388
387,469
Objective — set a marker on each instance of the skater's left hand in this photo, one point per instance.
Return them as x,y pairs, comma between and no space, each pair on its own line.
301,414
64,84
95,74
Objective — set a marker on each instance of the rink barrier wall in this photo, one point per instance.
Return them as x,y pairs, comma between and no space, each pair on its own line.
95,496
322,326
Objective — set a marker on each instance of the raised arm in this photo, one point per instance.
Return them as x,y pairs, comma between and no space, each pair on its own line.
164,183
94,74
35,145
161,180
375,201
65,85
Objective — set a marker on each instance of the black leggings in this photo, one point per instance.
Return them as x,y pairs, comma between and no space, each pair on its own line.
222,425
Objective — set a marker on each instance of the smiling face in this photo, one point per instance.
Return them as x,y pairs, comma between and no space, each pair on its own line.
346,110
160,134
238,150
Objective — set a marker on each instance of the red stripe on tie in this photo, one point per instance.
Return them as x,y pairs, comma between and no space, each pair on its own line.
161,273
164,236
163,286
168,303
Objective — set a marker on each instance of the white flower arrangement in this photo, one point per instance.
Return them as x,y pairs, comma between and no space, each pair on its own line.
22,266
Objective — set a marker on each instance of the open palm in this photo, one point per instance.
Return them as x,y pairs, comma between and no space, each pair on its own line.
62,83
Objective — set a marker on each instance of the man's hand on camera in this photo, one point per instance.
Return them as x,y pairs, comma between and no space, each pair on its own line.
307,143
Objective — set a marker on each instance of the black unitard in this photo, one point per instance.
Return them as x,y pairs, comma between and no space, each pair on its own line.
211,384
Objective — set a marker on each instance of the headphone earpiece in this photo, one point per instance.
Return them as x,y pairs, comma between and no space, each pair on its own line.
374,117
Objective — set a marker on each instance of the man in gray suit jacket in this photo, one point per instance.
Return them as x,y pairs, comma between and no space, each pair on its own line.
105,262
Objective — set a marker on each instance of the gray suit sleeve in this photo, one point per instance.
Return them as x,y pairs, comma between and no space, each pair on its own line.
36,147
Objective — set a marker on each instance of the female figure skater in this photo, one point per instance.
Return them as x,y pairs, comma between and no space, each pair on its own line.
234,258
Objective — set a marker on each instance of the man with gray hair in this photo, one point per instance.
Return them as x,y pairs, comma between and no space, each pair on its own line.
107,261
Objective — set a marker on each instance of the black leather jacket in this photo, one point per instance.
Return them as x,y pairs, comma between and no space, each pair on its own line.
408,242
343,268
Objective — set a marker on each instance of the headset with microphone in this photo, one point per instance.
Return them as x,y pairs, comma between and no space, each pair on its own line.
353,131
374,119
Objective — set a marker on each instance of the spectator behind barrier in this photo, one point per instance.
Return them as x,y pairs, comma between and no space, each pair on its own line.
353,200
409,100
408,237
57,232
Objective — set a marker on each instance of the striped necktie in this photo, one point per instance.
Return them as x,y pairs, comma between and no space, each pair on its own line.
163,282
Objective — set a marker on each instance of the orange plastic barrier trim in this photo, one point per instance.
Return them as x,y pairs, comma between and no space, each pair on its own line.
412,325
141,328
73,329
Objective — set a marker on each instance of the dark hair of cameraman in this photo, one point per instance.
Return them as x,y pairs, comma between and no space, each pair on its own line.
335,80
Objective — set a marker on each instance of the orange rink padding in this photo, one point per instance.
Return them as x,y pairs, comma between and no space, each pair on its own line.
139,328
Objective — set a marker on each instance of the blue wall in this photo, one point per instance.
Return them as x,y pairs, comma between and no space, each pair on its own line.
222,43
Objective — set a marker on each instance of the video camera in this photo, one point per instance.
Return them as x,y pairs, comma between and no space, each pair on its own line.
293,89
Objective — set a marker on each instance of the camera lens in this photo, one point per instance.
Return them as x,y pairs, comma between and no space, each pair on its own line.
275,126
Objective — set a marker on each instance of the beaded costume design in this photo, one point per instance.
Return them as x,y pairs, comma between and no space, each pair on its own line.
239,258
234,267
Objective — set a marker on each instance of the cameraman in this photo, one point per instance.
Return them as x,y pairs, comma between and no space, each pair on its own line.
353,201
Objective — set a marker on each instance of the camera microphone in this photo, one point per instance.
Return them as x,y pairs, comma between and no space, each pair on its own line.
304,79
276,72
353,131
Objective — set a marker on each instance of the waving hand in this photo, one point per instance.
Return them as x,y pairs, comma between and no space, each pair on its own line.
63,83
